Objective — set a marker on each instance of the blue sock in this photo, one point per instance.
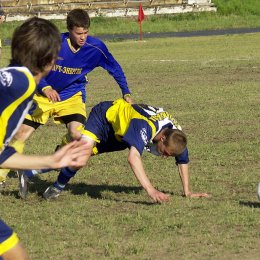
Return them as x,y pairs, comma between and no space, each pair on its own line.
65,175
31,173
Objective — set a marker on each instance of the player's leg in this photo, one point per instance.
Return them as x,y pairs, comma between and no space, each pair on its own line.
66,174
95,129
72,113
18,142
10,247
38,115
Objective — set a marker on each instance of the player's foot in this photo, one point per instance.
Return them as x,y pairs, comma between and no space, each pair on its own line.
24,182
258,191
51,193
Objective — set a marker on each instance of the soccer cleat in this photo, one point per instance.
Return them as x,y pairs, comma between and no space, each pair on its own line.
24,182
51,193
258,191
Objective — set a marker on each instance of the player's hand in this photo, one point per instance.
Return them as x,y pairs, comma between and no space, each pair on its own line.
73,154
198,195
52,95
128,98
158,196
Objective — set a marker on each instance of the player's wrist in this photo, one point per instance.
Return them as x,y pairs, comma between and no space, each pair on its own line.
127,96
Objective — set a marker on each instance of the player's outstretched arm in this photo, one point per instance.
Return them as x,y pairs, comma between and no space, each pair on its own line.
135,161
71,155
184,175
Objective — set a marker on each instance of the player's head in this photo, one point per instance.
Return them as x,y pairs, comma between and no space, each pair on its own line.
35,45
172,143
78,23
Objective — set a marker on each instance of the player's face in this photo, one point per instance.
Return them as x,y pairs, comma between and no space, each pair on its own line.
164,150
78,36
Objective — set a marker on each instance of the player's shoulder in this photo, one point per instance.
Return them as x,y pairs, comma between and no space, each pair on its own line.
95,43
12,76
64,36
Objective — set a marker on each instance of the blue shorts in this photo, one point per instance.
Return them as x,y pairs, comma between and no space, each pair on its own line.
98,125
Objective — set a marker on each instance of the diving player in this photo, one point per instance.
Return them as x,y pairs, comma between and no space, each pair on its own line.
115,126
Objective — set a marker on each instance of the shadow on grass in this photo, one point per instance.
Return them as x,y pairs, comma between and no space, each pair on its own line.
95,191
91,190
250,204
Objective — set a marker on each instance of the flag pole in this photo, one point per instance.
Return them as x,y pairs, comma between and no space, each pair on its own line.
141,33
140,20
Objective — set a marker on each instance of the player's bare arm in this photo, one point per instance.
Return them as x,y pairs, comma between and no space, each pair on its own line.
135,161
184,175
72,155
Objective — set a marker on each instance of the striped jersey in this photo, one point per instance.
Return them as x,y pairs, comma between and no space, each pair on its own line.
17,87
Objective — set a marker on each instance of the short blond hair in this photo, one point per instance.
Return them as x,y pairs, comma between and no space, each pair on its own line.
176,140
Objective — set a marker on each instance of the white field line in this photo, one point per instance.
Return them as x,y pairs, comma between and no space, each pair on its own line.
202,61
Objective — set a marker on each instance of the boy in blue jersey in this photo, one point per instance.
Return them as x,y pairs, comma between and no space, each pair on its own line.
35,46
115,126
62,94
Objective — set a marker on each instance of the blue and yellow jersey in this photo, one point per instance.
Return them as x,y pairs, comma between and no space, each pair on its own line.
17,87
69,74
8,239
118,125
137,125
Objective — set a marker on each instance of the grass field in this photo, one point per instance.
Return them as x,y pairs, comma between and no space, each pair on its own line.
211,84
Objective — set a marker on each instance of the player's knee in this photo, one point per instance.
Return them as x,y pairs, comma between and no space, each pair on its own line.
16,253
24,133
74,134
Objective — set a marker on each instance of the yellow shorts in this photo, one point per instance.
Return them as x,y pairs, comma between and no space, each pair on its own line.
43,109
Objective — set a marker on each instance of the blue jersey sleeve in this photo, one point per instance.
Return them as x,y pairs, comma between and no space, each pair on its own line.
183,158
42,84
138,134
110,64
8,152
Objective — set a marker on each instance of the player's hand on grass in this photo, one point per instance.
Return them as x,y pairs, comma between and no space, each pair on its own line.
197,195
52,95
158,196
71,155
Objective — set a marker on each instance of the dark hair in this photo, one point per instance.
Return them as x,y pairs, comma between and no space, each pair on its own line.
35,44
78,18
175,139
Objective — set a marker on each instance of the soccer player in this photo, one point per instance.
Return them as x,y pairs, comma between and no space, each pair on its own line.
62,94
115,126
35,46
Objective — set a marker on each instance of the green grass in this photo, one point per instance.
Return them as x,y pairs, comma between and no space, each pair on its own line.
212,85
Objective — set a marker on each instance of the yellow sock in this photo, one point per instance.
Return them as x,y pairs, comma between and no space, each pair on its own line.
19,147
3,174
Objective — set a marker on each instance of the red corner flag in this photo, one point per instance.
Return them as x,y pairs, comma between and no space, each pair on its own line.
140,19
140,14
